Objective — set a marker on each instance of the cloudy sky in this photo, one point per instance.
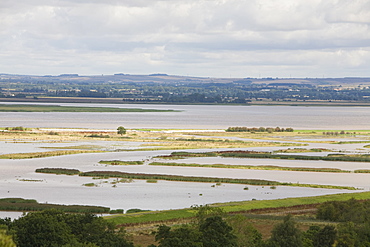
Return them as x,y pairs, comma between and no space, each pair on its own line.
213,38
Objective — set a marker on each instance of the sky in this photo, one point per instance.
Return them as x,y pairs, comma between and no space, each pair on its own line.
208,38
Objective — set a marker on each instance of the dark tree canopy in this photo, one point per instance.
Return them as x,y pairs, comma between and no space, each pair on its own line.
56,228
286,234
121,130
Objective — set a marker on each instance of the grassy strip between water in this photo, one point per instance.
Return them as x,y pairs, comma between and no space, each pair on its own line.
120,162
350,142
19,204
58,171
266,155
280,168
330,157
302,150
57,108
158,216
127,175
45,154
116,174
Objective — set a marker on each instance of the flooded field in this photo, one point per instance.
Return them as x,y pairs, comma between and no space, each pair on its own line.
19,179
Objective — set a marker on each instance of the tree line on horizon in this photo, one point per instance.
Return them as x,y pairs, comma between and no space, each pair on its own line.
236,92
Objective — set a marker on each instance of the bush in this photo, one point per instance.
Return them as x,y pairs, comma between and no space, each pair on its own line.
135,210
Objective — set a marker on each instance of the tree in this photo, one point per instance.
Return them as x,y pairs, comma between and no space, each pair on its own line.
121,130
184,236
247,235
309,236
286,234
316,236
42,229
217,233
347,235
6,240
212,232
325,237
56,228
205,211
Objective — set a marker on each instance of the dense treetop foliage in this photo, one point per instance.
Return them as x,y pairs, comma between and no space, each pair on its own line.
56,228
343,211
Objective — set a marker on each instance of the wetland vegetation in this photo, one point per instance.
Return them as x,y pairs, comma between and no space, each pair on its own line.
68,142
45,154
269,155
155,177
120,162
26,205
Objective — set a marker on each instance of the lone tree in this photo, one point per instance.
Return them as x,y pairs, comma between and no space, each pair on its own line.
121,130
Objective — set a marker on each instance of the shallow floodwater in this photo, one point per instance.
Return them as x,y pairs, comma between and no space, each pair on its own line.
18,177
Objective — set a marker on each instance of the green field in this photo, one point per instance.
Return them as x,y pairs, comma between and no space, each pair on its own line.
155,216
57,108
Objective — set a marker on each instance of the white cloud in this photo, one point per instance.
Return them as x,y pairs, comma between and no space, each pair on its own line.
195,37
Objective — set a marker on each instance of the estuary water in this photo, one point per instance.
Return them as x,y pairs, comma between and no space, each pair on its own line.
197,117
